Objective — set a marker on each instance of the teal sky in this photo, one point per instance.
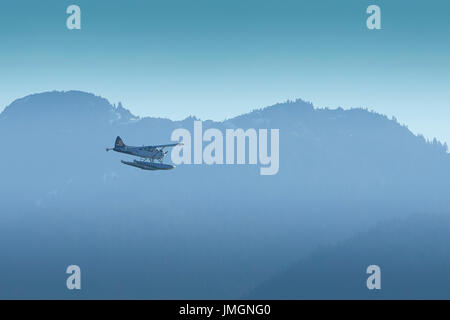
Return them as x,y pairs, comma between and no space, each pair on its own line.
216,59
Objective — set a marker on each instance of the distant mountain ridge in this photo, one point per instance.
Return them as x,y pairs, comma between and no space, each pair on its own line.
414,265
70,105
64,103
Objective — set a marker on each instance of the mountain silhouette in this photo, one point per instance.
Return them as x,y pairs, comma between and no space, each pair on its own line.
412,254
197,231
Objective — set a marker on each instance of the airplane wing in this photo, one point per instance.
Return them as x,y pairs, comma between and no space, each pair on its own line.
164,145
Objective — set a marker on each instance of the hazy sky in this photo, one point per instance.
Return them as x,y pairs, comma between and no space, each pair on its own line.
216,58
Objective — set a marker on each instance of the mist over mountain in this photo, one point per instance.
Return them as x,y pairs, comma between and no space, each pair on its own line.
412,254
199,231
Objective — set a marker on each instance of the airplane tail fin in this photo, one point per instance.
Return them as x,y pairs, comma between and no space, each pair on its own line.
119,142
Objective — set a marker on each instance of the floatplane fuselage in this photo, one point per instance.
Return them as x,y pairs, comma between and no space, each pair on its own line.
150,154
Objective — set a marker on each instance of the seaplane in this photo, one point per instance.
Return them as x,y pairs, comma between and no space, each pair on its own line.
149,154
